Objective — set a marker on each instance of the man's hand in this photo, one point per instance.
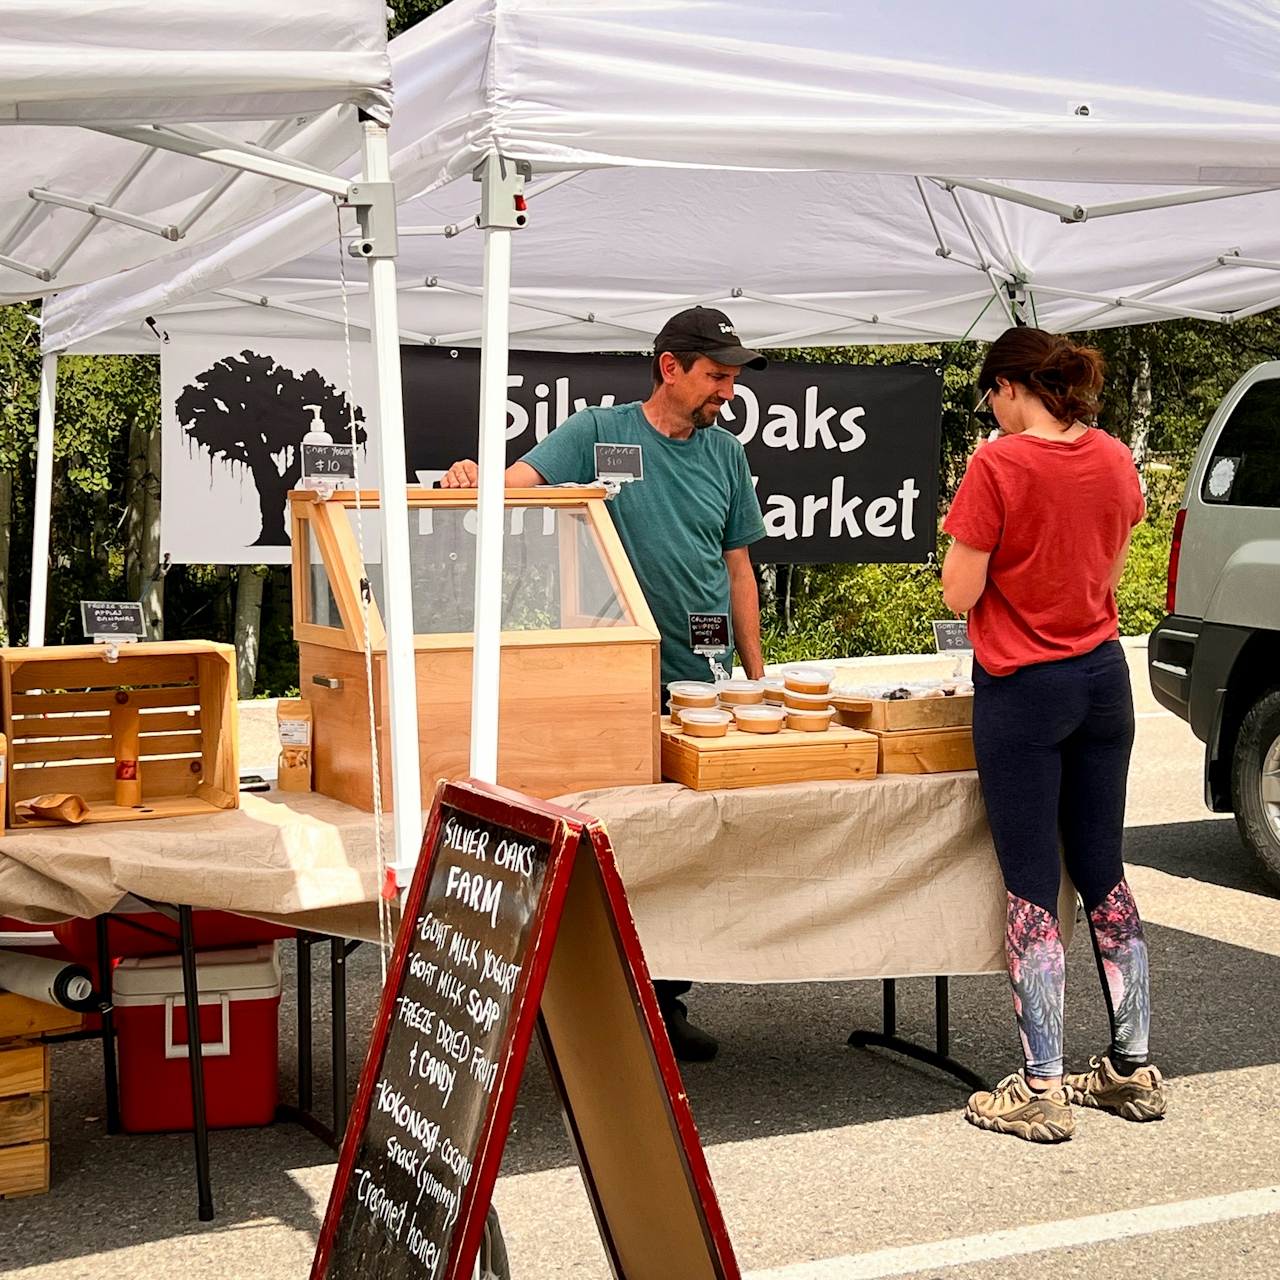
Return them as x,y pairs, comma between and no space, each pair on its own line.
744,601
462,475
466,475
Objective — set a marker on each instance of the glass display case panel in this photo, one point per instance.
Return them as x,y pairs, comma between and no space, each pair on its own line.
323,607
555,573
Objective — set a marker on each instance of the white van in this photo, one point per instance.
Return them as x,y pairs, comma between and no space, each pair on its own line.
1215,660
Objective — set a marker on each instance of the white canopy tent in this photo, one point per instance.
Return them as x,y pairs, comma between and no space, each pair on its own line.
127,127
828,172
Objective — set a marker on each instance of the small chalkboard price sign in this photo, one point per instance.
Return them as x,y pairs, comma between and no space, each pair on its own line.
951,635
113,619
330,462
516,920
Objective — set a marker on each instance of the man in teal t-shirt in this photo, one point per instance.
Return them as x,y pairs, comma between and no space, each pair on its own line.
686,520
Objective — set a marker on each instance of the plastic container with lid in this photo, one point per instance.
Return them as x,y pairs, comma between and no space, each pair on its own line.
806,701
692,693
740,693
759,718
705,722
807,679
809,721
774,686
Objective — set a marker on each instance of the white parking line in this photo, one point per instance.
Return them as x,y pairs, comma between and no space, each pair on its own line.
1098,1228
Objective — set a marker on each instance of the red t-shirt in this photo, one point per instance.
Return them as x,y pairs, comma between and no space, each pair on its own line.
1054,514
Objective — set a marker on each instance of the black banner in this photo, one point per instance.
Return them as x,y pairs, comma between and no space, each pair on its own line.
845,457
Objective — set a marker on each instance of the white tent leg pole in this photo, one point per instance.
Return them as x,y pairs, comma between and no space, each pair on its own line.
402,697
43,503
490,514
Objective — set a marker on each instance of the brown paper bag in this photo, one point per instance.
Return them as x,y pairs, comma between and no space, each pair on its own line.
58,807
293,723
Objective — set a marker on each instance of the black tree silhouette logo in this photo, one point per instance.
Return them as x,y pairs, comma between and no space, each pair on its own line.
251,411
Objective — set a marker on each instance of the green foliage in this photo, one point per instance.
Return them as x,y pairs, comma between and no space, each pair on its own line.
850,610
407,13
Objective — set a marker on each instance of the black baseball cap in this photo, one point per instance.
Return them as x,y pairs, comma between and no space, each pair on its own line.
708,332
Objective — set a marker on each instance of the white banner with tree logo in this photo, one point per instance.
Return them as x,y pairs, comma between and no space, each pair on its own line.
234,412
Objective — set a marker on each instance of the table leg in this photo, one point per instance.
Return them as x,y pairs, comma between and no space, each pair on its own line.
940,1057
110,1081
338,979
191,995
306,1073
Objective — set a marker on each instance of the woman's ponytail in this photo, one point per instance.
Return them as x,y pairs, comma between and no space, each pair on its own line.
1067,377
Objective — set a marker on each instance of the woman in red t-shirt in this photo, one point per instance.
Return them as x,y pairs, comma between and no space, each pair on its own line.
1041,526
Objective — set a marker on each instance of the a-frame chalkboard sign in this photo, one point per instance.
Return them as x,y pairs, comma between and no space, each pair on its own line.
516,920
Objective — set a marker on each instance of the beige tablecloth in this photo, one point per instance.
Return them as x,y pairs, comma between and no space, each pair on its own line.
809,881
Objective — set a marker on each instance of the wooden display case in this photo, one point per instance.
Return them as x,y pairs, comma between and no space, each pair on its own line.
60,705
580,676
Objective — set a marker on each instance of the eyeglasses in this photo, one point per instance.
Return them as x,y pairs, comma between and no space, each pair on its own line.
984,413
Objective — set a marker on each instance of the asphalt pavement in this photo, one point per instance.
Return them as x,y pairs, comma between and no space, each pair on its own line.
830,1163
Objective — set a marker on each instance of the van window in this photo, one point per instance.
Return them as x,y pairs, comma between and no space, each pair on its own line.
1244,468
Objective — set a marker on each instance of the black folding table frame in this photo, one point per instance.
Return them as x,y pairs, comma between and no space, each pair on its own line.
302,1113
940,1055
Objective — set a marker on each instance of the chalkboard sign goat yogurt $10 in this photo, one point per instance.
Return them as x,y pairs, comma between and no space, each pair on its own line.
844,457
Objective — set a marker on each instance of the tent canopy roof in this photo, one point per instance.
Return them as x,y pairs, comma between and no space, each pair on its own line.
892,179
289,75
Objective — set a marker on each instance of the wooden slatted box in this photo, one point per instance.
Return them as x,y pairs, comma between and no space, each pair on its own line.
24,1119
915,735
57,704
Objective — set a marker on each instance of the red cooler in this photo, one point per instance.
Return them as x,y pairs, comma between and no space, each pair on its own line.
239,1034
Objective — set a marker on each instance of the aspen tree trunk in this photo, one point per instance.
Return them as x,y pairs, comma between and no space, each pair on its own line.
149,538
1141,434
249,580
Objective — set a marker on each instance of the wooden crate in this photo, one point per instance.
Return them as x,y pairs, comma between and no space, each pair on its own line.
57,704
926,750
883,716
24,1120
21,1016
579,702
762,759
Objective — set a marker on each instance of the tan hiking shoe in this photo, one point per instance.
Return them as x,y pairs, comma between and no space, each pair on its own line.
1136,1097
1014,1107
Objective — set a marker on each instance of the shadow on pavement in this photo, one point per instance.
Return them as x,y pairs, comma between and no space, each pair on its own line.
1209,850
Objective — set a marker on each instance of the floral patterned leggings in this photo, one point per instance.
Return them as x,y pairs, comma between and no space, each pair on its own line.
1052,743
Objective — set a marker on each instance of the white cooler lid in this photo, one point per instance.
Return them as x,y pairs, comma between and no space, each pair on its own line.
246,973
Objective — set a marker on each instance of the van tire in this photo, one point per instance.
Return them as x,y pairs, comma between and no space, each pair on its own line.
1258,821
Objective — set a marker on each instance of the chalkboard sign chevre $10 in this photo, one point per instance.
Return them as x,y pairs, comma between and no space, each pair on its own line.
516,918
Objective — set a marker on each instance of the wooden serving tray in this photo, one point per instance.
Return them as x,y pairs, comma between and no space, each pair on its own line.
883,716
762,759
926,750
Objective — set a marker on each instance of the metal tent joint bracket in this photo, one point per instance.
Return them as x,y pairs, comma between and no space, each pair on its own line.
375,208
502,199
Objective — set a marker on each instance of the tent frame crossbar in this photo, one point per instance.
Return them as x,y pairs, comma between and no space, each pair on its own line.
1071,213
204,144
100,210
313,313
97,209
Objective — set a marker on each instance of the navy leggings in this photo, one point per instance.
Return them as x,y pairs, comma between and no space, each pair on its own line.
1052,743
